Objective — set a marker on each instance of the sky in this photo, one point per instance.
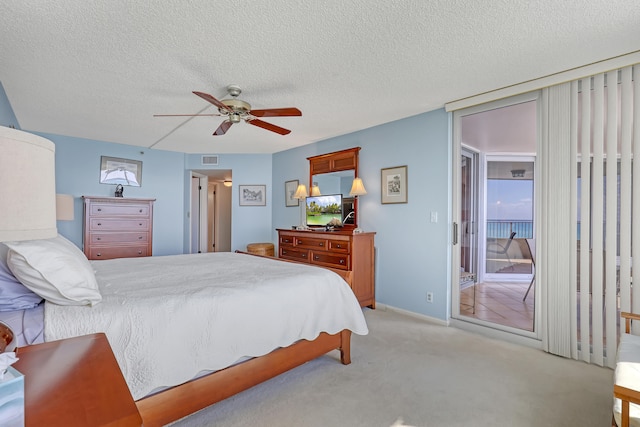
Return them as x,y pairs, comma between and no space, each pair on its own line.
509,199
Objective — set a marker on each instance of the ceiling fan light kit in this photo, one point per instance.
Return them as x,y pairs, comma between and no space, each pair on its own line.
236,110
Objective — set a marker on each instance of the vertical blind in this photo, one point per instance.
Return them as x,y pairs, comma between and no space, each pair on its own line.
591,276
587,247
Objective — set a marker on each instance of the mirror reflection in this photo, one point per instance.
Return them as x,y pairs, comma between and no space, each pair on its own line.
336,183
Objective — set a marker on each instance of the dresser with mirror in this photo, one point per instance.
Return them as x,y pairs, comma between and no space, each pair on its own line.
351,254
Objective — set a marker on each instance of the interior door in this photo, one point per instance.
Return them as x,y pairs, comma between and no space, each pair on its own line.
195,214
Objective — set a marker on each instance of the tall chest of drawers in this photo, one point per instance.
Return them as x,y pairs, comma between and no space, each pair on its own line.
340,250
117,227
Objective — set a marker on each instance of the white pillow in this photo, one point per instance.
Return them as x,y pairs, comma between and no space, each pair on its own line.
55,269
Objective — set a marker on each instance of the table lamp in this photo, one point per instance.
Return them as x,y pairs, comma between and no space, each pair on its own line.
301,194
357,189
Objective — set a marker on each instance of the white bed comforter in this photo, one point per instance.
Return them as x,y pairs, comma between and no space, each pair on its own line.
170,317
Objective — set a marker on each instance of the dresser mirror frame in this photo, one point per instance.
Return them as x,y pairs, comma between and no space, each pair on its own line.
336,171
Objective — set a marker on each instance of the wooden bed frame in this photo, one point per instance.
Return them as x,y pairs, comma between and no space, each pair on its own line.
184,399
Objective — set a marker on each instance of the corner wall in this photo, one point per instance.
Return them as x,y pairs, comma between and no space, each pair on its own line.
412,253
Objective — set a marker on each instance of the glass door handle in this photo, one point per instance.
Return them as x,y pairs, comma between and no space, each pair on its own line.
455,233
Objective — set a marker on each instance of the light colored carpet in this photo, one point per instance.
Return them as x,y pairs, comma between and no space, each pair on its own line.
429,375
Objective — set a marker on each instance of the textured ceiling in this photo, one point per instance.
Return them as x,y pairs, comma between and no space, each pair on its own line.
102,69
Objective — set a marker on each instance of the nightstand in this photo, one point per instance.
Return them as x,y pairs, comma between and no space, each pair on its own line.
74,382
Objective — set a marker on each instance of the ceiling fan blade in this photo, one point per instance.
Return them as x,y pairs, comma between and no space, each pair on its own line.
275,112
269,126
223,128
212,100
187,115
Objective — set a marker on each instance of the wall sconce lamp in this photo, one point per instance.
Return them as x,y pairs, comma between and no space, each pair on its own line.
64,207
357,189
301,194
227,183
315,190
28,189
28,194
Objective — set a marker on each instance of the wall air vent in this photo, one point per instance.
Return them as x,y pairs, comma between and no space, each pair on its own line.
210,159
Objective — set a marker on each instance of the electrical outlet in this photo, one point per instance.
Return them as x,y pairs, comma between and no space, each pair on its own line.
429,296
434,216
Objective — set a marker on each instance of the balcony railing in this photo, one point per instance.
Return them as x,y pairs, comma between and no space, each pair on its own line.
502,229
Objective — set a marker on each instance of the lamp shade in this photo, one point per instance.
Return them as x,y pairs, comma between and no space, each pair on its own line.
27,186
301,192
64,207
315,190
227,183
357,188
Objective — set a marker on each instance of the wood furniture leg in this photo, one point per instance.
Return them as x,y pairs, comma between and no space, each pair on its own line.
180,401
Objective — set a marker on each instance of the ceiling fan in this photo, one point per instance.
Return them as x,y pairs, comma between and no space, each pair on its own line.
236,110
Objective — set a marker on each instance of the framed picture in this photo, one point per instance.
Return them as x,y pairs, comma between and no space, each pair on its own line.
290,188
253,195
394,185
114,170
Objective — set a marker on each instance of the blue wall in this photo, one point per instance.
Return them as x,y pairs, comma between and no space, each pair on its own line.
78,172
412,253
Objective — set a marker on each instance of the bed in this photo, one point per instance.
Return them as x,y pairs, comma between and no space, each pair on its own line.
166,317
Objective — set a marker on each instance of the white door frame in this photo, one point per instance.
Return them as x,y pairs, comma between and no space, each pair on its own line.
202,226
498,330
482,229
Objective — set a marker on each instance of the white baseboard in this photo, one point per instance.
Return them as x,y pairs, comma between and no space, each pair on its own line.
419,316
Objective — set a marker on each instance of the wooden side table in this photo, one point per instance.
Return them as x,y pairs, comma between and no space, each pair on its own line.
73,382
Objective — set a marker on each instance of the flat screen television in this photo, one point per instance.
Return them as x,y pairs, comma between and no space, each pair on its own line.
322,209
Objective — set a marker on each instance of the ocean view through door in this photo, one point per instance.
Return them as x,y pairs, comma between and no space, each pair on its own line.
496,277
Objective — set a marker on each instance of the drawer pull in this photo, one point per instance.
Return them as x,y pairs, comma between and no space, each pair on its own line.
139,237
321,244
300,242
304,255
339,246
140,211
99,209
316,257
98,254
99,223
342,261
284,252
140,224
98,238
139,252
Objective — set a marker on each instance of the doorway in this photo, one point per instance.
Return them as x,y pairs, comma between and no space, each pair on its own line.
495,148
211,211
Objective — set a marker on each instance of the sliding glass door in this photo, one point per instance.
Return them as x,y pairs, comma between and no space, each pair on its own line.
509,218
494,209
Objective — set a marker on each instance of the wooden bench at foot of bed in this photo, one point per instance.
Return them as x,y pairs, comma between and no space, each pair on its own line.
180,401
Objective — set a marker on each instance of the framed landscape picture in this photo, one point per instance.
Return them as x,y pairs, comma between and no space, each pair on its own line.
253,195
394,185
290,188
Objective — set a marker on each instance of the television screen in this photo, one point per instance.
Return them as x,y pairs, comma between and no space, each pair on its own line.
322,209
